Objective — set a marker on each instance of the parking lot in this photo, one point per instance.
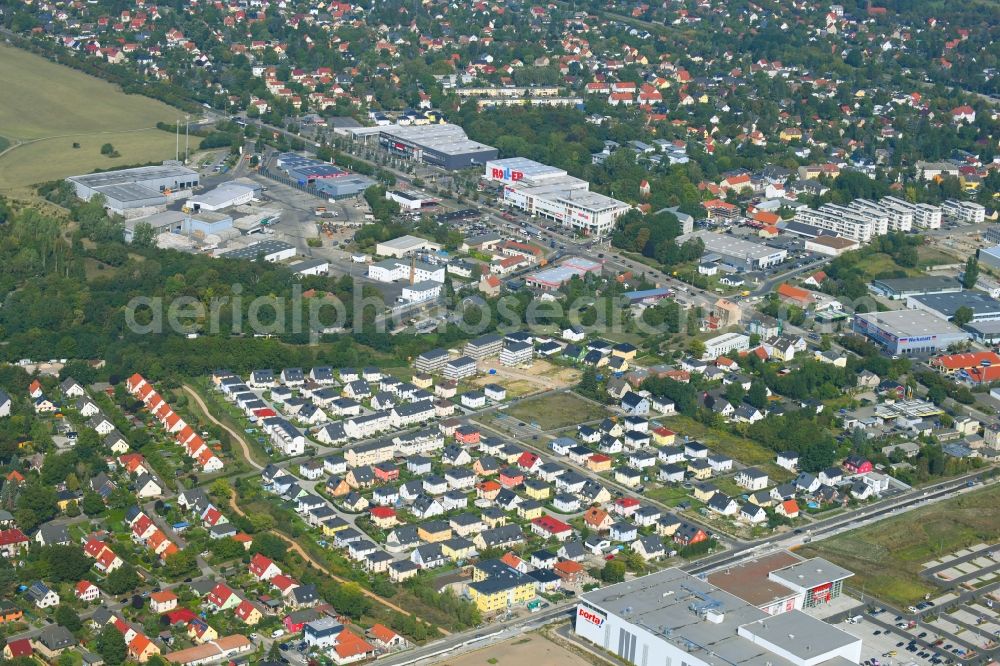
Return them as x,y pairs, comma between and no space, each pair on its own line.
888,643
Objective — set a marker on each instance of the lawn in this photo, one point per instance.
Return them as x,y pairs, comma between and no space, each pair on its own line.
886,557
670,495
721,441
882,263
557,410
932,256
71,107
51,159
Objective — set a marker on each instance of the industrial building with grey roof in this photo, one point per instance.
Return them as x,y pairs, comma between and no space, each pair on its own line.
135,189
674,617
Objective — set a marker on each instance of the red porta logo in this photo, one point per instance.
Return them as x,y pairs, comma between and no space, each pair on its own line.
590,616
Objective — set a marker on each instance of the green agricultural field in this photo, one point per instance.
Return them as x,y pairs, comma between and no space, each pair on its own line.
42,122
887,557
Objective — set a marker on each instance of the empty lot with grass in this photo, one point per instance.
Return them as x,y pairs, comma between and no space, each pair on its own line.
887,557
42,122
556,410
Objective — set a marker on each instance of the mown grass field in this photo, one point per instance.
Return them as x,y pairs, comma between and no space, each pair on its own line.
556,410
733,445
46,107
887,557
50,159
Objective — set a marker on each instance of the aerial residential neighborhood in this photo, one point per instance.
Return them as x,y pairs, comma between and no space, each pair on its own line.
496,332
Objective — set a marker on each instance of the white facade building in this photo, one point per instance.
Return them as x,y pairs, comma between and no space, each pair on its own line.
674,618
967,212
852,223
419,292
391,270
721,345
925,216
539,189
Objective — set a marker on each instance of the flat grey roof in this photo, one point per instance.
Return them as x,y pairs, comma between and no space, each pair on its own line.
929,283
990,327
424,285
165,219
221,194
801,635
670,604
442,137
733,247
136,175
910,323
309,263
262,247
530,168
810,573
662,604
126,192
407,242
947,303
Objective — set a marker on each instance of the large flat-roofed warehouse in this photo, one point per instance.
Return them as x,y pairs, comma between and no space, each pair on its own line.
740,254
672,617
908,332
983,306
223,196
138,191
905,287
348,186
551,279
270,250
402,246
169,221
444,145
539,189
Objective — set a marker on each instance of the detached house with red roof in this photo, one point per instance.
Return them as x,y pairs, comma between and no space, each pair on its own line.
385,638
795,295
18,648
86,591
162,602
263,568
222,598
12,542
551,528
248,613
350,647
963,114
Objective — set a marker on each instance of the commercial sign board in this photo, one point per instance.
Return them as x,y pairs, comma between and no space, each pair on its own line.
922,338
590,616
507,174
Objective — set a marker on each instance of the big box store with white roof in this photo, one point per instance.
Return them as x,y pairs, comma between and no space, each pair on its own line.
543,190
